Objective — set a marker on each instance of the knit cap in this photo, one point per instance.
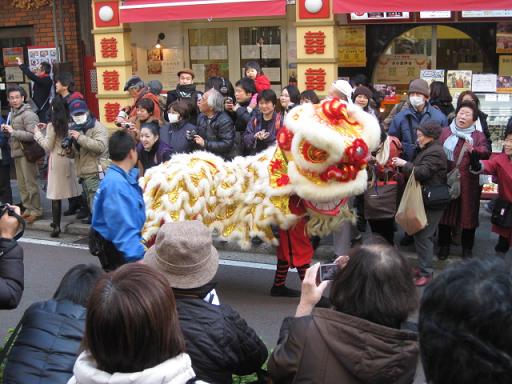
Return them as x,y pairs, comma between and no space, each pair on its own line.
362,90
419,86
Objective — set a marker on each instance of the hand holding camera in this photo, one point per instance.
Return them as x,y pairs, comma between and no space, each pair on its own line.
10,221
311,293
261,135
228,104
121,118
190,133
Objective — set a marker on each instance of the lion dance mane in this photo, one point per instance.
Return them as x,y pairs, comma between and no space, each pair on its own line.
320,156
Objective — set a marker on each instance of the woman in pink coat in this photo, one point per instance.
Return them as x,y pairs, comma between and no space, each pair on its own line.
499,165
463,211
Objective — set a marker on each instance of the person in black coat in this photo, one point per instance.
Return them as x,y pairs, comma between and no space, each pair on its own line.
218,340
11,257
185,90
5,167
41,92
179,132
216,131
48,343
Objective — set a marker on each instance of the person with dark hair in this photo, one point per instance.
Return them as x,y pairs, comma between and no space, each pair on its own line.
5,166
441,98
222,85
145,114
361,338
290,98
42,88
500,166
185,90
216,131
137,89
464,324
481,123
151,150
362,97
132,332
405,124
89,149
48,342
179,132
243,110
262,129
119,211
430,170
219,341
65,87
309,96
62,181
11,257
253,71
359,80
459,140
19,127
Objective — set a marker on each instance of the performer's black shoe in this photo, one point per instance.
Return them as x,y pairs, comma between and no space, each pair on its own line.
284,291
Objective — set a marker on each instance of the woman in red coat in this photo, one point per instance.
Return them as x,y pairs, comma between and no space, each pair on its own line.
500,166
462,212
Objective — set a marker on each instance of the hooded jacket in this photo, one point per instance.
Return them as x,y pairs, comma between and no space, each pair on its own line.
331,347
48,344
177,370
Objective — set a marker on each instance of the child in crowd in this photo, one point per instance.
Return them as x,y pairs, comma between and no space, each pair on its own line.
253,71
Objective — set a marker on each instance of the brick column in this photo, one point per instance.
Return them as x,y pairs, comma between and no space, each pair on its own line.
113,59
317,65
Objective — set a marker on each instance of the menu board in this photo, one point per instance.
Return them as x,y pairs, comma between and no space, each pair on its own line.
38,54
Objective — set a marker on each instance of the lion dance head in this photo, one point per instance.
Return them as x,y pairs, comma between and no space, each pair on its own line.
321,157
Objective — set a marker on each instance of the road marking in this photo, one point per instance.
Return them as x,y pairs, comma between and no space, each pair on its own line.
228,263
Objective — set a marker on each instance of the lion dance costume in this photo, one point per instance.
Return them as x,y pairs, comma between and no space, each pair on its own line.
319,161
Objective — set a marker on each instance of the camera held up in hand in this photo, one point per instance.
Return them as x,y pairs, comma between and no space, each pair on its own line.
190,133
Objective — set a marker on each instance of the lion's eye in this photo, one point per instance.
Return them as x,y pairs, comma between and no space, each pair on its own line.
312,153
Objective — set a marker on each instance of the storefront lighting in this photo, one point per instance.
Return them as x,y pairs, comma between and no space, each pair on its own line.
161,36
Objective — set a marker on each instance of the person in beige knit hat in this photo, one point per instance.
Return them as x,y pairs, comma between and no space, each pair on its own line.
218,340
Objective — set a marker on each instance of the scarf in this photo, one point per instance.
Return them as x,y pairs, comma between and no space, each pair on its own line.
457,133
186,91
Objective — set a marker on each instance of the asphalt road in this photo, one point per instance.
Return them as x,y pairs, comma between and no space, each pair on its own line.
245,288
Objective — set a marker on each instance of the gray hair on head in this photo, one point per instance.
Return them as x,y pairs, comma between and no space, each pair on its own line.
215,100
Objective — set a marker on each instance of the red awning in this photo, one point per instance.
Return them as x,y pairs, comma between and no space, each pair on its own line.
136,11
348,6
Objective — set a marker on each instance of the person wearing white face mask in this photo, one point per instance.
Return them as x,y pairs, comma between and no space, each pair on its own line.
89,148
179,133
406,123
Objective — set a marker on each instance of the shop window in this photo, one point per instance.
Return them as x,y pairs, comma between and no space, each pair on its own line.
428,47
209,53
263,45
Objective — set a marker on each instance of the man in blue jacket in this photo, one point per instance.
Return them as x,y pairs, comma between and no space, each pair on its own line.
405,123
119,212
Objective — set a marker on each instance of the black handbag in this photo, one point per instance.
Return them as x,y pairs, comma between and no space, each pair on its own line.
436,197
502,214
32,151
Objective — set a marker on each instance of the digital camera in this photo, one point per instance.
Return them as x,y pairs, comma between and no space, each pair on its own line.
190,133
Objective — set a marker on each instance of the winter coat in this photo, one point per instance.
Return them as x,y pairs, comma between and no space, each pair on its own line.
444,106
62,181
500,166
158,154
176,136
93,148
405,124
430,165
330,347
5,150
261,82
48,343
242,116
218,133
23,121
41,91
11,273
218,340
173,371
463,212
253,146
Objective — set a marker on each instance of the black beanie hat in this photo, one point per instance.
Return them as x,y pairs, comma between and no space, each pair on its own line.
362,90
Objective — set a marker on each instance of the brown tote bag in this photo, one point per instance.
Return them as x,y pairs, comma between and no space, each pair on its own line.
411,215
380,199
32,151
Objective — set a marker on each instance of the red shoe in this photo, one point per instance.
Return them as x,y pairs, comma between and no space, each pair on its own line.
416,272
421,281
